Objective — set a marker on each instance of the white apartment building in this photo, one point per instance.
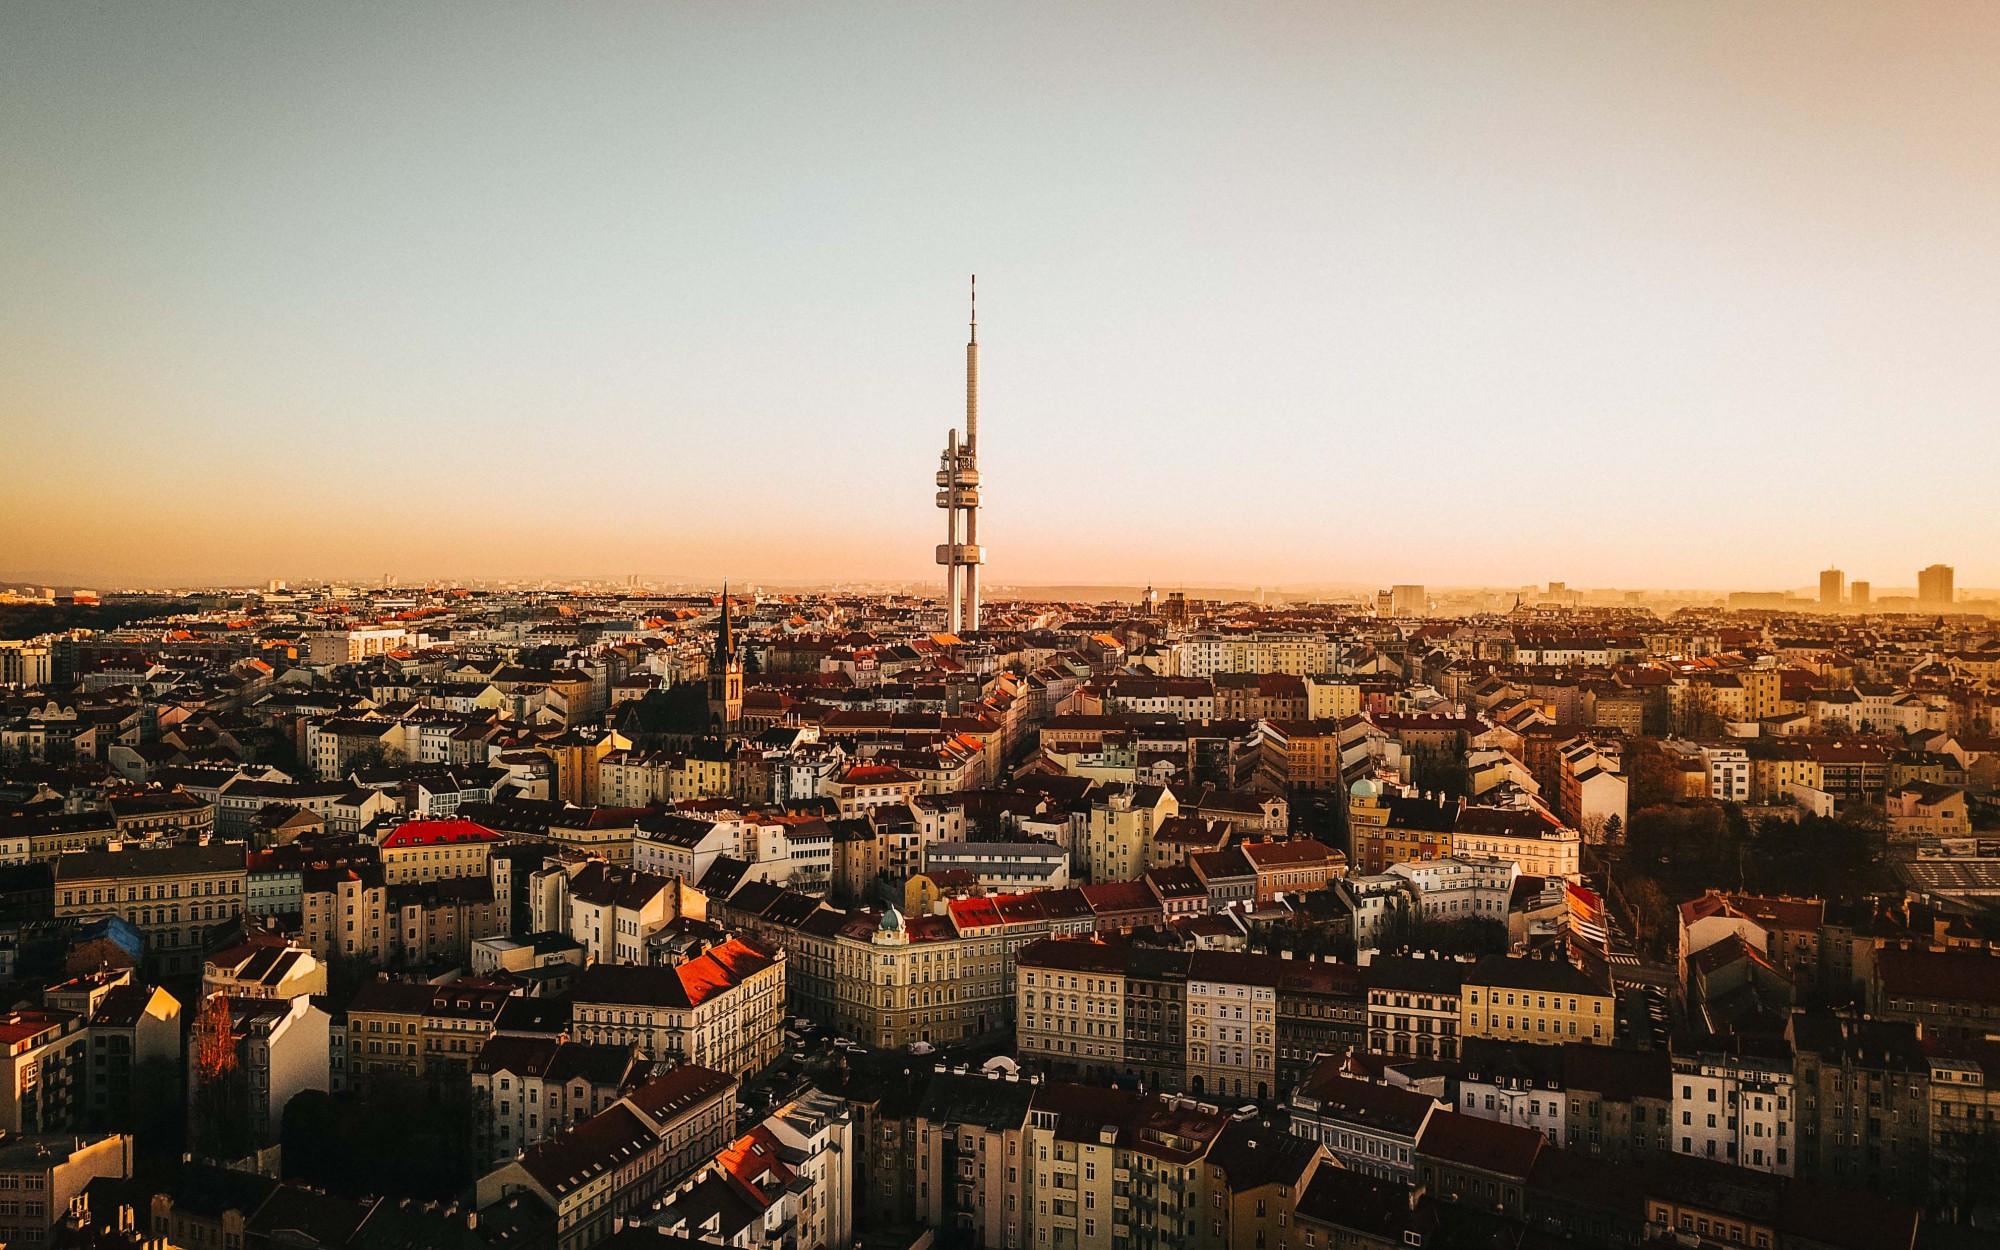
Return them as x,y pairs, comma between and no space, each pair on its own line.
1738,1107
1461,887
1231,1028
1728,773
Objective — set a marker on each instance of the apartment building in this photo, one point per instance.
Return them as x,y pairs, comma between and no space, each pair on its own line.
1113,1166
262,969
1365,1126
612,910
1220,1023
1531,837
1070,1006
972,1168
1119,836
1413,1007
1546,1001
625,1158
1964,1119
42,1174
42,1070
432,850
1864,1103
1388,828
168,893
1232,1024
1256,1176
527,1089
283,1048
414,1030
127,1023
1735,1102
723,1009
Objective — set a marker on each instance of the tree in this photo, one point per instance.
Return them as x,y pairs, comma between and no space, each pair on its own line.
390,1138
1655,778
1649,913
1694,713
219,1100
156,1113
1441,771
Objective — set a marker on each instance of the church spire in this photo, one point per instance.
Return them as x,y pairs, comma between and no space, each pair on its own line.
725,638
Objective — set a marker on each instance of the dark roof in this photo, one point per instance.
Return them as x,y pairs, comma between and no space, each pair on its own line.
1382,1209
1616,1074
579,1156
180,859
967,1098
207,1191
1253,1154
1882,1045
1418,976
1382,1107
1952,976
670,1095
1481,1145
1517,972
298,1216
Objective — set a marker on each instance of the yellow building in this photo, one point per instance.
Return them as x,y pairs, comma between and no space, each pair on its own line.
1775,767
1070,1006
1305,753
1332,700
1115,1167
1531,837
576,755
432,850
1511,998
1389,827
723,1009
385,1029
694,777
1119,837
1762,692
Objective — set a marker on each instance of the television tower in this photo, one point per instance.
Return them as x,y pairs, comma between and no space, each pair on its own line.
958,494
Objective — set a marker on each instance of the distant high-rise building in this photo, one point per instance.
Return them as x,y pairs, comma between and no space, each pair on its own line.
1861,595
1831,583
1934,585
1407,601
958,494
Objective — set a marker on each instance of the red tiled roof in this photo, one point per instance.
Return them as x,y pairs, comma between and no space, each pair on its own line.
437,833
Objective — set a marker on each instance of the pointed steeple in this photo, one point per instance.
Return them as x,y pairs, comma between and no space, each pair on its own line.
725,638
725,675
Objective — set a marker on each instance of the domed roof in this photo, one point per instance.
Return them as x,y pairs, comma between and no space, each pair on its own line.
1366,788
892,921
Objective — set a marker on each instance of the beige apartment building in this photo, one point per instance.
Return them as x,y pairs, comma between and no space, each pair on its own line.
433,850
722,1009
168,893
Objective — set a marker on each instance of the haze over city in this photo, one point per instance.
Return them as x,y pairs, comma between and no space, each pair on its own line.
880,626
1647,296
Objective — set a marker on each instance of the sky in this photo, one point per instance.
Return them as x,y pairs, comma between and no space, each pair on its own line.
1636,295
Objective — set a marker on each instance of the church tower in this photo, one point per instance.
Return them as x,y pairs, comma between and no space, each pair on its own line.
725,677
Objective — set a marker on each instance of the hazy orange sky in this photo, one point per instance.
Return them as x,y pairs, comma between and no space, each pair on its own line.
1643,295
